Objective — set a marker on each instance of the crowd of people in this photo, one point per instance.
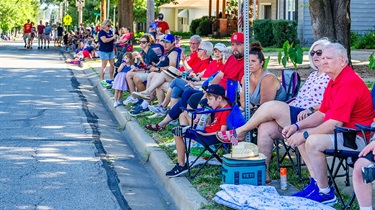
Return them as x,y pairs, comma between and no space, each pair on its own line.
332,95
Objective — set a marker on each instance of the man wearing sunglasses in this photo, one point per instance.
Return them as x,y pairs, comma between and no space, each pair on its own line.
159,26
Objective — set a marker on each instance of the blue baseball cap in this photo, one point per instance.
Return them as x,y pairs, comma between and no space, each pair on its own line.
168,38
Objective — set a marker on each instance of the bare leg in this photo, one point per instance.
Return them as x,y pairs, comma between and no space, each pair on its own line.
267,133
315,145
270,111
102,70
165,121
167,98
111,68
160,95
302,151
129,80
180,147
157,81
363,191
184,119
139,83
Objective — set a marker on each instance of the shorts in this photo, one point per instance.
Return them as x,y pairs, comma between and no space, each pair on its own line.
142,76
40,36
59,38
340,142
369,157
86,54
26,36
47,37
106,55
195,99
294,111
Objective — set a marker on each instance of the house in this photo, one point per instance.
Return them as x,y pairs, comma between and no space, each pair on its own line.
362,14
180,15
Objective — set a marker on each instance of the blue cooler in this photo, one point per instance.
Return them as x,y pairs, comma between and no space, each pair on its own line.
245,171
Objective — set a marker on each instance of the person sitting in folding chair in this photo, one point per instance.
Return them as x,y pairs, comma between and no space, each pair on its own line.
272,116
364,174
216,99
347,101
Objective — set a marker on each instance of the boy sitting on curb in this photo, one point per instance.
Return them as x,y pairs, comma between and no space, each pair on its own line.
216,100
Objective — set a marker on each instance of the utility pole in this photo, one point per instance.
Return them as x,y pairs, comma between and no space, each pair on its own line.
150,13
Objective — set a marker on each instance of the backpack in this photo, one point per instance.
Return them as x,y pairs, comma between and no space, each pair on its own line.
291,81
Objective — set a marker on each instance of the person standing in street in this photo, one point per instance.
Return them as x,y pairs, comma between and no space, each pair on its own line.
106,51
47,35
27,33
60,30
40,34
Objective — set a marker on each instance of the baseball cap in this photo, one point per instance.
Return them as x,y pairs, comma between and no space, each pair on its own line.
220,46
216,89
237,37
168,38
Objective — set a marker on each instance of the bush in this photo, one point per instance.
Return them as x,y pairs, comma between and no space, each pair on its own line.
194,25
353,38
263,32
184,35
205,27
367,41
284,30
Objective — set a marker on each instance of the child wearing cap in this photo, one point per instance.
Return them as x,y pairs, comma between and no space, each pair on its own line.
216,100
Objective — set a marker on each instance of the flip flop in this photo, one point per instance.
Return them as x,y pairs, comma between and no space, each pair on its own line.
227,136
154,127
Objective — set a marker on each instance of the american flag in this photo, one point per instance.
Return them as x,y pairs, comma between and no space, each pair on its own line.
240,17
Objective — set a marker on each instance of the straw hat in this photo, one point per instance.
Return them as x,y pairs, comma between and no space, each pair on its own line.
172,72
245,151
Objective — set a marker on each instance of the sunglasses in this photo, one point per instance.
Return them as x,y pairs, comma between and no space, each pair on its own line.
318,53
142,42
200,49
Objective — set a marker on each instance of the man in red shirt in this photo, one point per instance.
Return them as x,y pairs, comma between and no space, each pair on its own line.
195,41
159,26
346,102
27,33
40,34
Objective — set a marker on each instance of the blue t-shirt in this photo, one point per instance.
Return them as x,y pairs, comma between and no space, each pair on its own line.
89,48
105,47
47,30
150,57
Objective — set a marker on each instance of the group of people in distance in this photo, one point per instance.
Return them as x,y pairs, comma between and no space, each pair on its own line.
332,95
42,32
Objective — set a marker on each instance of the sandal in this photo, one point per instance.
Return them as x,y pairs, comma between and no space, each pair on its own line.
154,127
227,136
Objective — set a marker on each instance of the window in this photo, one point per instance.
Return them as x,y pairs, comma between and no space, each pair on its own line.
290,9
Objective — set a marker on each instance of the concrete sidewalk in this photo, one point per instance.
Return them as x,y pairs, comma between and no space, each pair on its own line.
181,190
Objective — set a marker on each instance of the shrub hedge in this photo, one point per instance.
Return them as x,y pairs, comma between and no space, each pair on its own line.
275,32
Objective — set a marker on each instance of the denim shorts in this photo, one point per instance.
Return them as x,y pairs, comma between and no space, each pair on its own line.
106,55
294,111
178,87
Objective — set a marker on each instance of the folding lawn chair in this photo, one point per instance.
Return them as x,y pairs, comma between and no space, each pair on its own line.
346,158
291,81
234,120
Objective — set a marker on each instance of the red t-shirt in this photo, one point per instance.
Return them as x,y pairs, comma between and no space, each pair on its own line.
219,120
191,59
212,68
27,28
200,66
233,69
163,26
97,28
348,100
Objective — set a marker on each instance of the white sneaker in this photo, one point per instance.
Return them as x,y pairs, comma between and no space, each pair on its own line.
156,115
158,109
116,104
130,100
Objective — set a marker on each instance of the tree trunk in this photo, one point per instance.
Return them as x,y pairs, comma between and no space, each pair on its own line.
125,13
331,19
103,10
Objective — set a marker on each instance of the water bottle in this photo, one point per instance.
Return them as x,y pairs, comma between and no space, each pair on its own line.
283,180
203,120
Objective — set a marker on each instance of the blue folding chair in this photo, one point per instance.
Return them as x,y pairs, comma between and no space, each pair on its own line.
344,159
211,144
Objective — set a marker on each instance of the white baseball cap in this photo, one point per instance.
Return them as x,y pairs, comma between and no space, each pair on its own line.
220,46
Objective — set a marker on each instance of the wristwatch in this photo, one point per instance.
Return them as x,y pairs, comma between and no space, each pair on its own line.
305,135
311,109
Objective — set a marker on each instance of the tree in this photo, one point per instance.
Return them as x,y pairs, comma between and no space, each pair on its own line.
331,19
125,13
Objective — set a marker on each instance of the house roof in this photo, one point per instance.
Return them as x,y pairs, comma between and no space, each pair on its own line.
185,4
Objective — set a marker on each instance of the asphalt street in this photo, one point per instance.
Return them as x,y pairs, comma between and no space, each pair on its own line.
60,147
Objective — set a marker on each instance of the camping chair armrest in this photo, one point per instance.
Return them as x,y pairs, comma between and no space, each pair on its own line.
339,129
365,128
202,111
290,100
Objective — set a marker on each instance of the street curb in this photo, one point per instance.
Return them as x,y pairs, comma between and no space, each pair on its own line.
183,193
